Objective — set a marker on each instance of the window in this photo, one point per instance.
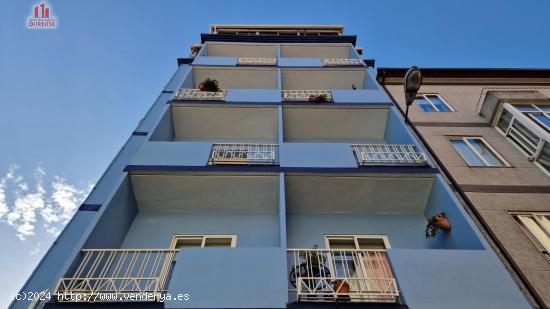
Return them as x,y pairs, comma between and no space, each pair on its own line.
203,241
537,226
363,242
476,152
540,114
528,133
432,103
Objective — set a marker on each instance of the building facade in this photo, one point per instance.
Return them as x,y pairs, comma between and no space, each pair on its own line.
272,171
490,129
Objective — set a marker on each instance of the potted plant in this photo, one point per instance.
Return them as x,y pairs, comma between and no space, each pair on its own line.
439,221
340,286
209,85
322,98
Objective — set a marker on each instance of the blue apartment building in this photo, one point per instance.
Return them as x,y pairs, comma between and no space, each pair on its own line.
295,184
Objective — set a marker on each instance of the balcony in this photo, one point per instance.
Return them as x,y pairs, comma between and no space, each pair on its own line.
315,96
257,61
328,275
239,50
113,275
186,94
243,154
322,51
329,79
384,154
335,62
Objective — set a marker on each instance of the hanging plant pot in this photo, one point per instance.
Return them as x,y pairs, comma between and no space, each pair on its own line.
209,85
341,286
318,98
435,223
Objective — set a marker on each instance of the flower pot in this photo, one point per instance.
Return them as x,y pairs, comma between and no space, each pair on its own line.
341,286
442,222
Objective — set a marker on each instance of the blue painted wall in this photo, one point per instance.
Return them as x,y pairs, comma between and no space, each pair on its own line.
155,229
230,278
473,279
316,155
304,230
173,153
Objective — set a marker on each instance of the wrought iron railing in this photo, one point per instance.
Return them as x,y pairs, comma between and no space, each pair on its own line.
186,94
388,154
114,275
335,62
341,275
244,154
319,96
257,61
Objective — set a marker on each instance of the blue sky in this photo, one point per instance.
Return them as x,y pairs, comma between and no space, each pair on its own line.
70,97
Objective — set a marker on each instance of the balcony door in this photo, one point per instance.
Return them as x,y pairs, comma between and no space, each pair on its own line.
361,261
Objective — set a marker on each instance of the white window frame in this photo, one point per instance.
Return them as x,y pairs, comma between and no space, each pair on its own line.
384,239
477,154
177,237
436,110
534,215
533,157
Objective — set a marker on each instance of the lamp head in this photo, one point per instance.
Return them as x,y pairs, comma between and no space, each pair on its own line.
412,82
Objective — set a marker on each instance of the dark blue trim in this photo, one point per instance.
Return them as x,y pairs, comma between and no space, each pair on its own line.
185,61
89,207
167,91
278,38
140,133
278,169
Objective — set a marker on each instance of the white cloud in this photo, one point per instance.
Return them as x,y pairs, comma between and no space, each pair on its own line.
46,208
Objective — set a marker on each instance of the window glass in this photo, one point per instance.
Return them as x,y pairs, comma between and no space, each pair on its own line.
536,229
485,152
542,120
439,104
544,157
504,120
424,104
466,153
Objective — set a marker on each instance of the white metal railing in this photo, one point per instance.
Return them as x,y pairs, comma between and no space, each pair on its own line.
256,61
388,154
341,275
198,95
307,95
105,275
243,154
335,62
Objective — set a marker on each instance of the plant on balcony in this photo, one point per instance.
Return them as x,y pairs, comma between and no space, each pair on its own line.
321,98
209,85
435,223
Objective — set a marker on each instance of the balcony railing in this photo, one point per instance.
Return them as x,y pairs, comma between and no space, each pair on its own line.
114,275
334,62
257,61
387,154
253,154
341,275
318,96
186,94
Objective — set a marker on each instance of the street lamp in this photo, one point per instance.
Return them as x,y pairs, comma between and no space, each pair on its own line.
412,82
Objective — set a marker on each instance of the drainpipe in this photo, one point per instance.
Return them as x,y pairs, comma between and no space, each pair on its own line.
524,285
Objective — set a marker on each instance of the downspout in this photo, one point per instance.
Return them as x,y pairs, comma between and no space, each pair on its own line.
524,285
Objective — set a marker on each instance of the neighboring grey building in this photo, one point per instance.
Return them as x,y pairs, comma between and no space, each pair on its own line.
296,184
490,130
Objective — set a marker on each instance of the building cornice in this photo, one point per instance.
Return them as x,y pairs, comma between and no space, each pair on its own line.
538,76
